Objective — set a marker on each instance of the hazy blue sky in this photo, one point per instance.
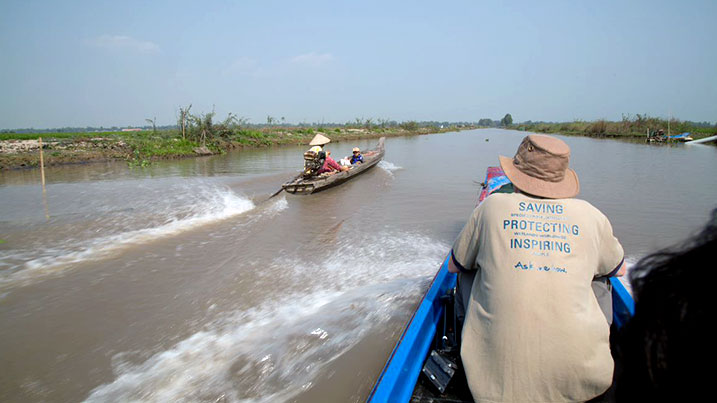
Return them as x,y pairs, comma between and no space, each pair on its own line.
79,63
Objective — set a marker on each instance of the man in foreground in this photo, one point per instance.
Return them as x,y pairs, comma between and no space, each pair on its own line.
534,331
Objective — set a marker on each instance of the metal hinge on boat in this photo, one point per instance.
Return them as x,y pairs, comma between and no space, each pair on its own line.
439,369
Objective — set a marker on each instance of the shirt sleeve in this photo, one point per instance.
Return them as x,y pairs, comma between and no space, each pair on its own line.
611,253
465,248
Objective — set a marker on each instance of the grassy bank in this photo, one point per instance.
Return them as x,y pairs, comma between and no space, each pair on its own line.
140,148
632,128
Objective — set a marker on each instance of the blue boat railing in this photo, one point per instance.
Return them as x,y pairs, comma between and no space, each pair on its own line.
623,306
400,374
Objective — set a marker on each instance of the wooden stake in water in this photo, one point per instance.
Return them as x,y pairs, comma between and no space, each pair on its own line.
42,166
42,175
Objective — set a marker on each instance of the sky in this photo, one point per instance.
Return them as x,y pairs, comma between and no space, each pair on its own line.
117,63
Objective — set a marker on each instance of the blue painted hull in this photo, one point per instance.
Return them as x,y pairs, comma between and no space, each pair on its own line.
399,375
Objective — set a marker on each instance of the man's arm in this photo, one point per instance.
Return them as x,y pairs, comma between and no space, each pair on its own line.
610,253
621,271
465,247
453,267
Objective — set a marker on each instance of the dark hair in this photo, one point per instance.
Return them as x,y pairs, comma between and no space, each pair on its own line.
662,350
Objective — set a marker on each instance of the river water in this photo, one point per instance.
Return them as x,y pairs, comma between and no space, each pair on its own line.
179,282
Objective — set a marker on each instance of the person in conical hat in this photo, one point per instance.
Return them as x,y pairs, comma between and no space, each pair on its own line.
318,143
319,140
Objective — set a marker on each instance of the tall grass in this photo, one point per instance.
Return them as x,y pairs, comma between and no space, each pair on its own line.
629,126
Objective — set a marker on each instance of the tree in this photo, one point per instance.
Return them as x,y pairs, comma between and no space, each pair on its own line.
153,122
486,122
507,120
184,119
204,125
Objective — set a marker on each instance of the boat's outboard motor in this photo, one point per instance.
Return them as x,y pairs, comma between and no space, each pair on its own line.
313,161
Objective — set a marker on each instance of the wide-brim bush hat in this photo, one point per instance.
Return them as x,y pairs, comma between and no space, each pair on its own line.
540,168
356,149
319,140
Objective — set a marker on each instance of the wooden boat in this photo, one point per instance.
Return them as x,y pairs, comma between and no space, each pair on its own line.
299,185
429,330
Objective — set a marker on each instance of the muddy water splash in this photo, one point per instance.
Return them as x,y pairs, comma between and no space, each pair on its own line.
149,214
276,351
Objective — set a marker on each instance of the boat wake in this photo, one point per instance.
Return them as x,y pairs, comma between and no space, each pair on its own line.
388,166
630,261
146,220
282,348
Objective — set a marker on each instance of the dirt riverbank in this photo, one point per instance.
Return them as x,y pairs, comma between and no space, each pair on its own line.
140,148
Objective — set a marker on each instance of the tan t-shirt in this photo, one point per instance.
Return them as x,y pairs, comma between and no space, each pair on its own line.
534,331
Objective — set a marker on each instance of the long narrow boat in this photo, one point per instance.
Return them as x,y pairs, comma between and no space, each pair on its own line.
429,330
299,185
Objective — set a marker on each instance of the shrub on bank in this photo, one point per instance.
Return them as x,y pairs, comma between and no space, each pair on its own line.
632,127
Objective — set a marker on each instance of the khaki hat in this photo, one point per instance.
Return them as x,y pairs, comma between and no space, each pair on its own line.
540,168
356,149
319,140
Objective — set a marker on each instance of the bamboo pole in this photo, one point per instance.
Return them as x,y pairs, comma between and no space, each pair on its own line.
42,166
42,175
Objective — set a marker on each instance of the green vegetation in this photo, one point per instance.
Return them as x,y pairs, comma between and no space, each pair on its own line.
202,134
146,146
629,127
194,134
507,120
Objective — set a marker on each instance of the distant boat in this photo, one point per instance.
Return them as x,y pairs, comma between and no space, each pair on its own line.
301,185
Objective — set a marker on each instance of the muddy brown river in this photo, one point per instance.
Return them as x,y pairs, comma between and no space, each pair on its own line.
179,282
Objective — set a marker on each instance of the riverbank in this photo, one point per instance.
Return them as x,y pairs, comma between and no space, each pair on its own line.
142,147
630,128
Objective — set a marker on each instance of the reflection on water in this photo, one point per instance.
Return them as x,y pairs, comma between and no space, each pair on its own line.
179,282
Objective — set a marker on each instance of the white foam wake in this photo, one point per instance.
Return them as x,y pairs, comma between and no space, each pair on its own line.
247,345
388,166
212,205
630,261
279,349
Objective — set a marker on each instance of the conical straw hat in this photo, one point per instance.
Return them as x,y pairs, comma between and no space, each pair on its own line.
319,140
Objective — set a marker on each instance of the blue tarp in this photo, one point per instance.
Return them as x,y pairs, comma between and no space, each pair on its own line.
679,136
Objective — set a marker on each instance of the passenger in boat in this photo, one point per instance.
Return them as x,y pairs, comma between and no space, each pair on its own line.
356,158
534,330
331,166
660,349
